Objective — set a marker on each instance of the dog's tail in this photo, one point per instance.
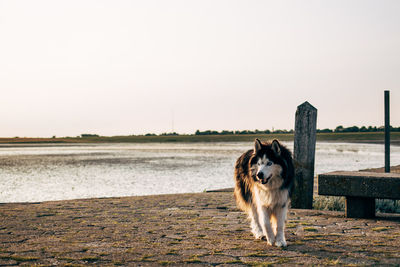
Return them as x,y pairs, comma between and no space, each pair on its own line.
242,192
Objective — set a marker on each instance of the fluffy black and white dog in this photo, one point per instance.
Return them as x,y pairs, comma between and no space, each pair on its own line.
264,179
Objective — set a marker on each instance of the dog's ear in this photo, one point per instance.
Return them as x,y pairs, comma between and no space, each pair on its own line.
276,147
257,145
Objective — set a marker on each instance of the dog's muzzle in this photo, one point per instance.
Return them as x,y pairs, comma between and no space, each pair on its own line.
262,179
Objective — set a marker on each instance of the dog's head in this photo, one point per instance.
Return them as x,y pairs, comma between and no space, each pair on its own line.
266,164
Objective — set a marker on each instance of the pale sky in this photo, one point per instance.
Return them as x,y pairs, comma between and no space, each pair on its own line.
150,66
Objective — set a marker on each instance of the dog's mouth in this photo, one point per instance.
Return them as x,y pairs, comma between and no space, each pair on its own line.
265,180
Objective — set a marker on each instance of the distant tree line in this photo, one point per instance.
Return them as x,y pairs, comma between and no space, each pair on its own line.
338,129
163,134
88,135
354,129
226,132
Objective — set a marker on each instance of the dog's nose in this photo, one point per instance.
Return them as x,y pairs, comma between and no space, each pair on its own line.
260,175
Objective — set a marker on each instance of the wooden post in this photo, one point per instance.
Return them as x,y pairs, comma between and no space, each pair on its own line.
360,207
387,132
304,155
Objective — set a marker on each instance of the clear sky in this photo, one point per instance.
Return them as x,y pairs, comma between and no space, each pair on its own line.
134,67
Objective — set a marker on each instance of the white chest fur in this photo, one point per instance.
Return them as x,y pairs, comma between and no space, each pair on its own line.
270,198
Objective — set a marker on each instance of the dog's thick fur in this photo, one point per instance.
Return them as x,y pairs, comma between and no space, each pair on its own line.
264,180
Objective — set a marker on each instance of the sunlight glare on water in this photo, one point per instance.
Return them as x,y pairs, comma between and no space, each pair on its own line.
58,172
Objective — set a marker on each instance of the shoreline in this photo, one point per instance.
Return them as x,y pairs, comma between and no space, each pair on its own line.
394,169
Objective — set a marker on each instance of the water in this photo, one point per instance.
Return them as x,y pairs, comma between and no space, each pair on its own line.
58,172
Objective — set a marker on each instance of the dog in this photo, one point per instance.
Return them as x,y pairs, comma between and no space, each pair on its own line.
264,178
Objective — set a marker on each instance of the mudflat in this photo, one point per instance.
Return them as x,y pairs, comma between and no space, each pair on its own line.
200,229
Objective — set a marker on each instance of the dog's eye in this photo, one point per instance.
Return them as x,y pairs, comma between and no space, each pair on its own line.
269,163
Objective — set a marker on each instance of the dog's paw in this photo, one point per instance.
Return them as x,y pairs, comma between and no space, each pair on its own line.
280,243
258,234
270,241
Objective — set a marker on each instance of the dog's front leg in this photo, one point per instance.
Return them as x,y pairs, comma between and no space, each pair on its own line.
265,217
280,226
255,223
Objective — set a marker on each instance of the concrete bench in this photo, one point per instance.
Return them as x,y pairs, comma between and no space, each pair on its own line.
360,189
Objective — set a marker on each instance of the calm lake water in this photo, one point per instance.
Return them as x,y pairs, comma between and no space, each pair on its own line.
58,172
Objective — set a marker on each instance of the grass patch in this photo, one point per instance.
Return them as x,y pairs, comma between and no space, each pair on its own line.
172,252
46,215
332,261
165,263
258,254
20,258
310,229
338,204
147,258
387,205
282,260
234,262
380,229
193,259
298,242
329,203
260,264
291,225
333,234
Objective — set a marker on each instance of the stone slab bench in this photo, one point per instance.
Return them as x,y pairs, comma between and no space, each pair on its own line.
360,189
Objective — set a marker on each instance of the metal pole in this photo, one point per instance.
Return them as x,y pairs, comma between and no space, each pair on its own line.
387,132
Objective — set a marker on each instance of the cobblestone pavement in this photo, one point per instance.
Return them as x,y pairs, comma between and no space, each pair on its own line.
185,229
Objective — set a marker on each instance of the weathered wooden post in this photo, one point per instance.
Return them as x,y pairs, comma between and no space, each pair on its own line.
304,155
387,132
